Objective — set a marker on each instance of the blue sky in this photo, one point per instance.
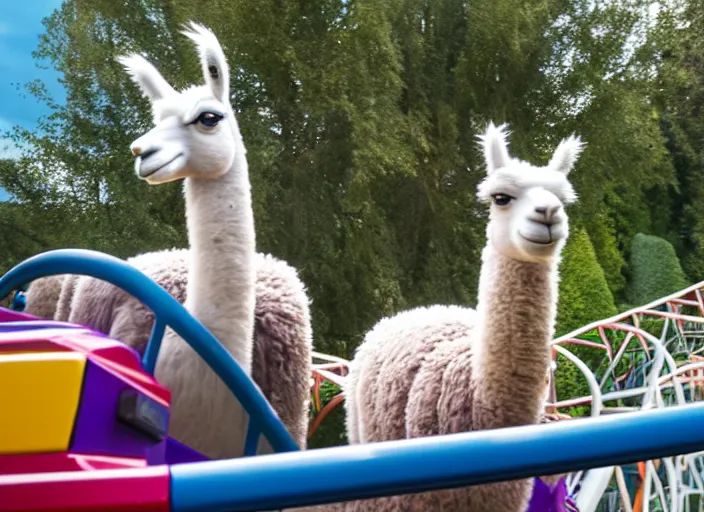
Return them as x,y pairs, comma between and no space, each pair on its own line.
20,27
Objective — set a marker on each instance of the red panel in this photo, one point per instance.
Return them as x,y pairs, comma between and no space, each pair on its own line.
109,490
36,345
104,347
137,379
123,360
55,462
75,341
91,344
40,334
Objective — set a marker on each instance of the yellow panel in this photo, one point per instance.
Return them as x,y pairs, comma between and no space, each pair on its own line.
39,397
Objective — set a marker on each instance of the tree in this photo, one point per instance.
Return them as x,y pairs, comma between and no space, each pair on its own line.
678,101
584,293
655,270
584,298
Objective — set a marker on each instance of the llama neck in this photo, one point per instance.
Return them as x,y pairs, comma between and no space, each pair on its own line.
516,317
221,277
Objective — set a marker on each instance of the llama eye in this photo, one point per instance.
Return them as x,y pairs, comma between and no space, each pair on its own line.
209,119
501,199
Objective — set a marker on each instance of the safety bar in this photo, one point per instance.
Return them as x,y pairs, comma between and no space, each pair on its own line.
280,481
167,312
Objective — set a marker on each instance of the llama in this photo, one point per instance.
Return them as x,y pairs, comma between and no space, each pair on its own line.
447,369
281,363
220,279
50,297
43,296
196,138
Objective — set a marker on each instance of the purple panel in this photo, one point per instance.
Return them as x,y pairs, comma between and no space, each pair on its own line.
10,315
97,429
177,453
548,499
156,455
33,325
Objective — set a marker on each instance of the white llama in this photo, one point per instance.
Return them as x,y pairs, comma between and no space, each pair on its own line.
219,219
446,369
197,139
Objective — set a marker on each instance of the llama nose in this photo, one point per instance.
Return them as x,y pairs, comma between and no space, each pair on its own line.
547,211
143,152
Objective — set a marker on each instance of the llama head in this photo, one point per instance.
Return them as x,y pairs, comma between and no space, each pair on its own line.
195,129
527,219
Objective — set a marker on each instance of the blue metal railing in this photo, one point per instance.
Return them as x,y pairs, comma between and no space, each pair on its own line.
273,482
167,312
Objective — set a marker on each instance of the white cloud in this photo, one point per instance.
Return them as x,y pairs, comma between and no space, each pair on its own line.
8,149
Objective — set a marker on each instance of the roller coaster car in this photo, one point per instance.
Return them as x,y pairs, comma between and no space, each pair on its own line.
80,402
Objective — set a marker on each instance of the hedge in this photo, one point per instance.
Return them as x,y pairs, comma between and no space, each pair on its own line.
655,270
584,298
584,293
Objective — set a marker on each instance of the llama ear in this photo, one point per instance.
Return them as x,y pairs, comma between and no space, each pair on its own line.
495,148
215,69
146,76
566,154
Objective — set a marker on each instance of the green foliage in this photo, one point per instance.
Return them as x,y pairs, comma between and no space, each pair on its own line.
332,430
584,298
676,42
584,293
655,270
570,383
602,233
